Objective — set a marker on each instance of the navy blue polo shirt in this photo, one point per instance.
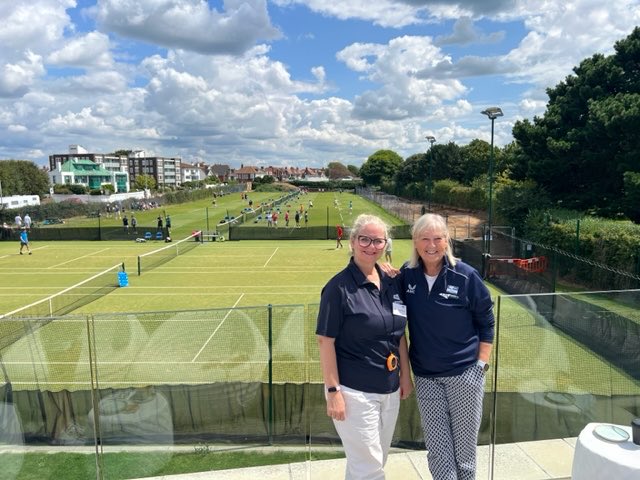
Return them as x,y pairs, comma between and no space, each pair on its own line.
360,318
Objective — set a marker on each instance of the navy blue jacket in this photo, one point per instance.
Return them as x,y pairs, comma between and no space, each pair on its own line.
447,324
360,318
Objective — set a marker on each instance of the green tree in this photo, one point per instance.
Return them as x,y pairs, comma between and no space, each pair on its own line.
336,170
475,161
143,181
22,177
413,169
588,134
632,195
355,171
267,179
381,166
122,152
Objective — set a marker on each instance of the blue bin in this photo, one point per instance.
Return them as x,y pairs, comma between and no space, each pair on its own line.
123,279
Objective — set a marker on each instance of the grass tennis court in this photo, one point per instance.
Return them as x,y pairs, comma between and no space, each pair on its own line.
190,345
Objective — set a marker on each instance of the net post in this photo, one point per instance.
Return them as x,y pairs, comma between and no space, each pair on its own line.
139,269
270,403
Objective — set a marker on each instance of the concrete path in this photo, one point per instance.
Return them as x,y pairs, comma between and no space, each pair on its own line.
541,460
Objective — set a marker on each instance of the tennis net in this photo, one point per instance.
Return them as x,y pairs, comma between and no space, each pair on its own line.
61,303
150,260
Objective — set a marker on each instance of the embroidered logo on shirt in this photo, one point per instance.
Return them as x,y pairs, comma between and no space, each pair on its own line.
396,297
411,288
452,289
448,296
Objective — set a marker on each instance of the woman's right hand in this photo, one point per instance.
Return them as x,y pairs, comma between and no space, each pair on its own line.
335,406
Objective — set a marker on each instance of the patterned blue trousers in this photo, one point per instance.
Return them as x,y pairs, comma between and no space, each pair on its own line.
451,412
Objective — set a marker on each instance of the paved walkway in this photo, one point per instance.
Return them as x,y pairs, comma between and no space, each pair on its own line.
541,460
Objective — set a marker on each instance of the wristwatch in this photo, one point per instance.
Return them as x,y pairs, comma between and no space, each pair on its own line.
484,365
333,389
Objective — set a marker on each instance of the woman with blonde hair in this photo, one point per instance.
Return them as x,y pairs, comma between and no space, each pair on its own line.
451,328
363,352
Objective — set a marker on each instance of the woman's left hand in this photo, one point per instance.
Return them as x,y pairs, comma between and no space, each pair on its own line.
389,269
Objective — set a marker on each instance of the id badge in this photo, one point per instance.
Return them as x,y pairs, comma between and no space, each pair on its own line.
400,309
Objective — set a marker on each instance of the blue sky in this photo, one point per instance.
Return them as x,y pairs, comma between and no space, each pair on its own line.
284,82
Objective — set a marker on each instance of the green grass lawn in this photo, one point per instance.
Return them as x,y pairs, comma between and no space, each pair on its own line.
117,466
208,293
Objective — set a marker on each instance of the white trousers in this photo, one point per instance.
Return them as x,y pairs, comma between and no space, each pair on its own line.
367,431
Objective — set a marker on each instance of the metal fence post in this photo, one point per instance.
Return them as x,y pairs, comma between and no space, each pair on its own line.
270,402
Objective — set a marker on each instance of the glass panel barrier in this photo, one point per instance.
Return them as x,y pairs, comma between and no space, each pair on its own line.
185,391
45,383
563,361
180,391
323,440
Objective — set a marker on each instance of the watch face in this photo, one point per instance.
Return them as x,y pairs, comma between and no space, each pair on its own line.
332,389
486,367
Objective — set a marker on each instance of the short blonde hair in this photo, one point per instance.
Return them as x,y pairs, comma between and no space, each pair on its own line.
434,222
362,221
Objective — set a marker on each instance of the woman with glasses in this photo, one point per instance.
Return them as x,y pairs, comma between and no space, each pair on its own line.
451,327
363,352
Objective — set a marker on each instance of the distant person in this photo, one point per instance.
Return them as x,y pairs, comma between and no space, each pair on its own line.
339,233
6,230
275,219
134,223
160,223
27,221
24,240
125,224
167,223
388,249
18,221
286,218
306,217
297,219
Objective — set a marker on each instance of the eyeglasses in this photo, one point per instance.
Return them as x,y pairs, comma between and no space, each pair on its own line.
365,241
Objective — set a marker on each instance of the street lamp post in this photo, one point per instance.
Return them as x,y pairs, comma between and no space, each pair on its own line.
431,139
492,113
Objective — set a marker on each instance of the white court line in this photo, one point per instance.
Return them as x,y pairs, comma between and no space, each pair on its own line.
274,252
78,258
33,250
217,328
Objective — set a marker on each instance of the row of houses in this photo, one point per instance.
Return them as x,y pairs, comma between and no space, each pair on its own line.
93,170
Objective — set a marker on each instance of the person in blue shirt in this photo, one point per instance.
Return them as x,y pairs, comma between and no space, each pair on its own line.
24,240
451,329
363,352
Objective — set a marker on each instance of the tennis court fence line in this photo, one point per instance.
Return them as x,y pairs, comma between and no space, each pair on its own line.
151,260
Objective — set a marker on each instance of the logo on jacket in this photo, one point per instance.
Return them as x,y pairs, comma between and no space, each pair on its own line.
448,296
452,289
411,288
396,297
